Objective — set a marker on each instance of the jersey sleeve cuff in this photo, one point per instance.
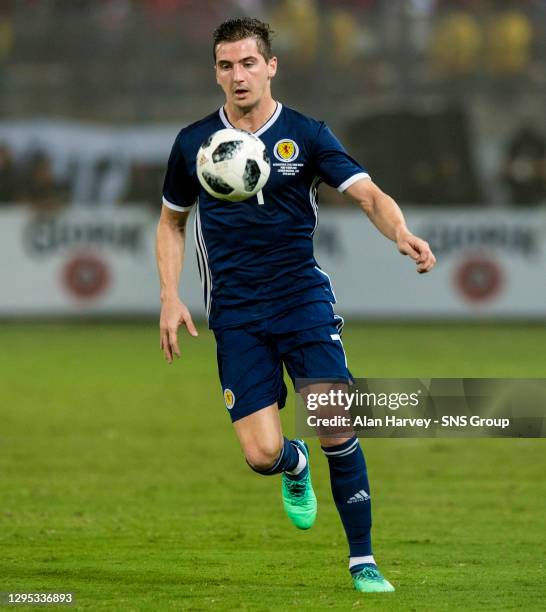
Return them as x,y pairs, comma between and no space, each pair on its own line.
175,206
352,179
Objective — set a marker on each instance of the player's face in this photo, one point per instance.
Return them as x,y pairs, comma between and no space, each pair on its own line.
243,73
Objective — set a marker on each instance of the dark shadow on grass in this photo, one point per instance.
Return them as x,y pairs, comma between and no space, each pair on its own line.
120,576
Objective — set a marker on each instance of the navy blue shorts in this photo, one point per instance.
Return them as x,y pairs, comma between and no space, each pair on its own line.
305,340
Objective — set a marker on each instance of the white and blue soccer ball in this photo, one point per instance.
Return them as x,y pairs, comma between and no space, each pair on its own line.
232,165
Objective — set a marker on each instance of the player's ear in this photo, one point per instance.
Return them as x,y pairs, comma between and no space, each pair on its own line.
272,67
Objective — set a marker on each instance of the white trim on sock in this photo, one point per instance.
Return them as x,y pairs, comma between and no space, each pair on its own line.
302,462
346,451
358,560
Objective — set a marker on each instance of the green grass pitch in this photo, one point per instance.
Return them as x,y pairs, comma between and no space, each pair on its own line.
121,481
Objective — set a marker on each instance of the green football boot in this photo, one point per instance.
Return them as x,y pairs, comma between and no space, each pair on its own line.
369,579
299,500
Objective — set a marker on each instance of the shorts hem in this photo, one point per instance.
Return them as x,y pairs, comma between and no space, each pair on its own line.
345,379
256,407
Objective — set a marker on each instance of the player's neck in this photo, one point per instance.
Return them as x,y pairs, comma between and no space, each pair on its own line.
251,119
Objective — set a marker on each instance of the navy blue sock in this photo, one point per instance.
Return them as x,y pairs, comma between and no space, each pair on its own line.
287,460
351,492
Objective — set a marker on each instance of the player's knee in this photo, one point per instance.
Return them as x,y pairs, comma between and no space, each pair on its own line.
263,456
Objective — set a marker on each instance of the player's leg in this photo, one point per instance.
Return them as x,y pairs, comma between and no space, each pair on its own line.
352,496
268,452
265,448
260,437
251,374
317,353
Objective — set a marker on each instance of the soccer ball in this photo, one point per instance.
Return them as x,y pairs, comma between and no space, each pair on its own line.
232,165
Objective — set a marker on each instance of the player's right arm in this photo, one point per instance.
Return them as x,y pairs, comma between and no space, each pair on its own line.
170,242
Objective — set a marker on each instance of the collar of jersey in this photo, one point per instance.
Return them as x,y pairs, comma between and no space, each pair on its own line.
264,127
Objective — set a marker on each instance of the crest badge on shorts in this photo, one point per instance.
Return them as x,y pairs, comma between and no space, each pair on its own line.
229,398
286,150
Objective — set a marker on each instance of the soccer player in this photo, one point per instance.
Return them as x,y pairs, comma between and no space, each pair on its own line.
268,302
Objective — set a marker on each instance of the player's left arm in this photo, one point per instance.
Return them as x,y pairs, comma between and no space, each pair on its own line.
386,215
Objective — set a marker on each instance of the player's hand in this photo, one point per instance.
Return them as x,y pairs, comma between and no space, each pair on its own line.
418,250
173,314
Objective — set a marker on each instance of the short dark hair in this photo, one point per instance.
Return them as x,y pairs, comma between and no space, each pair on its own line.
238,29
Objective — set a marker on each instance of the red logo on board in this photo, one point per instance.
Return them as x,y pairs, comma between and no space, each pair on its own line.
479,279
86,277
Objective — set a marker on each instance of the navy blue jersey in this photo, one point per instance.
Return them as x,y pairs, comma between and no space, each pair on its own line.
256,259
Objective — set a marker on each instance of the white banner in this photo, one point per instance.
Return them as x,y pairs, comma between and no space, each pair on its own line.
84,261
491,264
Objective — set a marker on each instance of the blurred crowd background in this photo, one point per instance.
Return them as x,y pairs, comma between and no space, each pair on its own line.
444,101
